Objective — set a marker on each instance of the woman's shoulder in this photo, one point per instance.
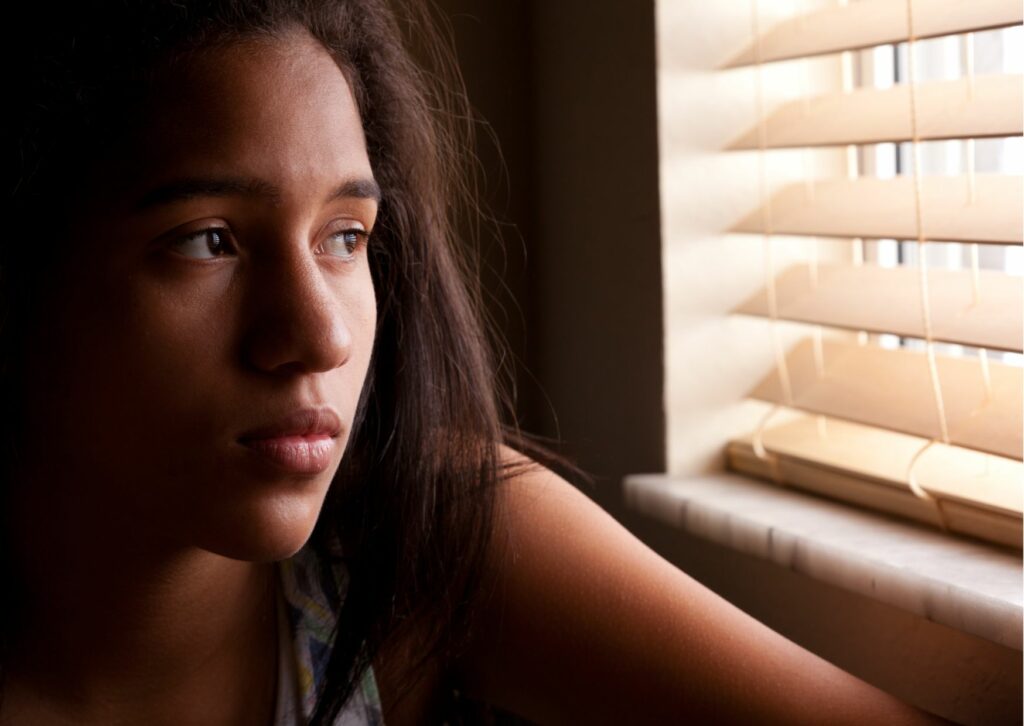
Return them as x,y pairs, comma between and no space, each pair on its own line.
578,620
585,623
430,696
530,499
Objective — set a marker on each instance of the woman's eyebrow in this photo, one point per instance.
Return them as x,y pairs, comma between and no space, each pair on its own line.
356,188
192,187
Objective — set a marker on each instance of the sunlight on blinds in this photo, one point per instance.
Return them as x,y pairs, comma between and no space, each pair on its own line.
920,412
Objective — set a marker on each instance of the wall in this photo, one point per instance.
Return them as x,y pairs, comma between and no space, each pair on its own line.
569,90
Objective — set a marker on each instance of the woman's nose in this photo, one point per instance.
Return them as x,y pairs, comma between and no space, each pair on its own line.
297,323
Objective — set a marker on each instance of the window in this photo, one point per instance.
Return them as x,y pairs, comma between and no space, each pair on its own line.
876,379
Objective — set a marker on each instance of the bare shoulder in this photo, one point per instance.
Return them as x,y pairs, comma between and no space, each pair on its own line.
585,623
529,489
545,522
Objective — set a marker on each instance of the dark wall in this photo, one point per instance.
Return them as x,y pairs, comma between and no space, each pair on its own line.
568,89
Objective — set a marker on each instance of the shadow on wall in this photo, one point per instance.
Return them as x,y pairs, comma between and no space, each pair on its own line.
568,90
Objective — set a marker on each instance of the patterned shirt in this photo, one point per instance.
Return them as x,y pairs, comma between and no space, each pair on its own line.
312,592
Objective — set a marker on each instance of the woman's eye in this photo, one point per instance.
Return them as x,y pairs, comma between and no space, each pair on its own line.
345,243
204,244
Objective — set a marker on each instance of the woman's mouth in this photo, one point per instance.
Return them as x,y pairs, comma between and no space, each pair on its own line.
305,454
301,442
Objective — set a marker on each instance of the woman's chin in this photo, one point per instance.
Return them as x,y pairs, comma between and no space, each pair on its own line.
266,531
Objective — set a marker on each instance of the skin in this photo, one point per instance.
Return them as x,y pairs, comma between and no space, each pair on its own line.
146,499
586,624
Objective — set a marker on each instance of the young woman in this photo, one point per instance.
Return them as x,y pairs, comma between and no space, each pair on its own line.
255,471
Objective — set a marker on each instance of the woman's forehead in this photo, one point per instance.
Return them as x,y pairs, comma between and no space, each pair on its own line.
278,109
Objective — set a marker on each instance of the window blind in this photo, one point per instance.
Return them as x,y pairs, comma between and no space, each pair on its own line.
928,424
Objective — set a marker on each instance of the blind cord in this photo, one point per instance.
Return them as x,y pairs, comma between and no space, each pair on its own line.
922,248
967,66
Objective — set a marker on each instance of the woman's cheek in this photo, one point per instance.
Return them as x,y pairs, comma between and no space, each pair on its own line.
150,358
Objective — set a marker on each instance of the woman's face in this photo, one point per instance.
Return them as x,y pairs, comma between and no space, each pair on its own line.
197,381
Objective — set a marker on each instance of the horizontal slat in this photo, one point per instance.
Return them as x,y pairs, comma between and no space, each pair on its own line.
952,472
980,494
875,22
892,389
991,106
882,208
888,300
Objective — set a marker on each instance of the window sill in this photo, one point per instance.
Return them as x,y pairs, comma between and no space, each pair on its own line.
965,585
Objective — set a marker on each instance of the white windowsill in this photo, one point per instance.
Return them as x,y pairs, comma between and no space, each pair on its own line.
963,584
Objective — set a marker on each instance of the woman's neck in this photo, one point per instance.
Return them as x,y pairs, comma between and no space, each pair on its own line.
113,631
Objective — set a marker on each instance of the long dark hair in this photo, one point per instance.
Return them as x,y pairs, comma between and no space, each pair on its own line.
413,499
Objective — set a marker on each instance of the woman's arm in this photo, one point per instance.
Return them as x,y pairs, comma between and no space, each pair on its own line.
587,624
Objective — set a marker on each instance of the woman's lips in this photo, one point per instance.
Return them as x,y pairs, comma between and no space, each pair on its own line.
303,422
301,442
305,454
